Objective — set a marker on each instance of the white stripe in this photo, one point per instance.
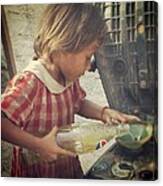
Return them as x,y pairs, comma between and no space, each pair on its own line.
70,100
43,112
54,111
64,110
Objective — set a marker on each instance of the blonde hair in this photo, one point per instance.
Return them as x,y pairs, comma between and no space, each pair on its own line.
69,28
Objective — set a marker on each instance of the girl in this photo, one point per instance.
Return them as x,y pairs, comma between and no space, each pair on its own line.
47,94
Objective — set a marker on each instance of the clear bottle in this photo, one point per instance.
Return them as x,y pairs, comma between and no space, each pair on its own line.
85,137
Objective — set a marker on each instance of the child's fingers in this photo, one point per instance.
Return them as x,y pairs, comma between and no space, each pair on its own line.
108,121
62,151
52,158
54,131
114,121
136,118
132,118
121,118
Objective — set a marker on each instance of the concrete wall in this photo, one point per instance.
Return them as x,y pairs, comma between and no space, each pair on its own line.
22,22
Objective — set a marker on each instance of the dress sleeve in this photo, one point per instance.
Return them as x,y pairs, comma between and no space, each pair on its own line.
17,101
79,95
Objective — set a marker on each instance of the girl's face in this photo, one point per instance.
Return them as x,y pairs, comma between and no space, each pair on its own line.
74,65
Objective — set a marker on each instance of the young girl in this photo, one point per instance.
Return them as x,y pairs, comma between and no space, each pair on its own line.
47,94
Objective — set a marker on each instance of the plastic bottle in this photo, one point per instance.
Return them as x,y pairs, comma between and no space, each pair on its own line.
85,137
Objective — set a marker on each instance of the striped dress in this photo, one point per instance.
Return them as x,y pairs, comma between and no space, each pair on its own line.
36,103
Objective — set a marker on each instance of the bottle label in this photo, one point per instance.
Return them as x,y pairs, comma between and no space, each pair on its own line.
101,143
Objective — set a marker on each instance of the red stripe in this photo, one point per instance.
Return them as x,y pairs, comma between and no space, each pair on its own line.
19,162
43,169
6,102
16,114
34,170
76,97
49,111
15,163
75,92
72,106
36,122
14,168
66,98
59,110
16,90
49,170
32,167
37,170
80,94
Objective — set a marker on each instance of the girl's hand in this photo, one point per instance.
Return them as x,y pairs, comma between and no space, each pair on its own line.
112,116
49,151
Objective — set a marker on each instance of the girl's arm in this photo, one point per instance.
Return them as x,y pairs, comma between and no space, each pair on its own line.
92,110
46,146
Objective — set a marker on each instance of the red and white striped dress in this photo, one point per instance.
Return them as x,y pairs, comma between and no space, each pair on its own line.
36,103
